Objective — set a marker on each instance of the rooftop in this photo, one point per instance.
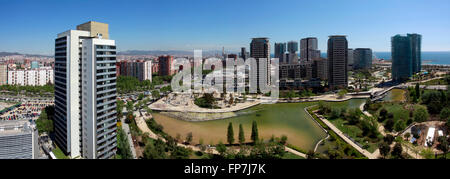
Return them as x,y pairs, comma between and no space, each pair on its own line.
15,127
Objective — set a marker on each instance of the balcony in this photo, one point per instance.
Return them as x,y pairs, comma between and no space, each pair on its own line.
106,102
106,97
106,85
108,137
106,73
109,149
106,55
107,108
107,114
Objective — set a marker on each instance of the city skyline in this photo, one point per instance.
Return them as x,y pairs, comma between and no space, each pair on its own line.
174,25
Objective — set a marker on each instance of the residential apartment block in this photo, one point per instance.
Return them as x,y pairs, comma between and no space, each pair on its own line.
35,77
85,92
140,69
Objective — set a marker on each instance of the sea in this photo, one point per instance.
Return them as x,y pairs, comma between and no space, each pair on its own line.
433,58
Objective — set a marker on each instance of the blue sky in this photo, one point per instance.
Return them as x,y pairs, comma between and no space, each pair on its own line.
31,26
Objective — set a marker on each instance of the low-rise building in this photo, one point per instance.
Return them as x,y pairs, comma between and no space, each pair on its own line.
35,77
18,140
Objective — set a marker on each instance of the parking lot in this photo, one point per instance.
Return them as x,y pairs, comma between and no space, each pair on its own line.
25,110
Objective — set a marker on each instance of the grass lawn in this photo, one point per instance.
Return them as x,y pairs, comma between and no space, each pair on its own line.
353,131
397,110
59,154
289,155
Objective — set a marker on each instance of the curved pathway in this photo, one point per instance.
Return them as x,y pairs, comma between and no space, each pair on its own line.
366,153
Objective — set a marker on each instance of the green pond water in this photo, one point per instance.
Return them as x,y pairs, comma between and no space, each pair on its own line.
288,119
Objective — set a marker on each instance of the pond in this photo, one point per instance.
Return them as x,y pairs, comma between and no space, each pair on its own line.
288,119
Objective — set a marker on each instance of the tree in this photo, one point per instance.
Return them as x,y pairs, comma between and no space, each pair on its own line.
241,134
155,94
443,145
311,154
230,134
335,112
399,125
445,113
119,109
354,116
255,134
397,150
389,124
389,139
417,90
384,149
44,123
432,99
221,148
140,96
383,114
123,148
421,114
156,150
206,101
180,153
359,78
448,123
189,138
283,140
342,93
130,107
407,135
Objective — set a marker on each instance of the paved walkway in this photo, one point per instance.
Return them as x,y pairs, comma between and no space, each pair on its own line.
295,152
126,129
366,153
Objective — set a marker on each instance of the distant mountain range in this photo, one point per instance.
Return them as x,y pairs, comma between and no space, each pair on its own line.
170,52
3,54
137,52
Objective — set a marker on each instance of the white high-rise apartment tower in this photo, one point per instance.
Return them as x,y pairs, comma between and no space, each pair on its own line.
85,91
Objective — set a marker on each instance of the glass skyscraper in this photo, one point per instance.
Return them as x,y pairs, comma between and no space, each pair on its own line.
401,58
337,61
292,47
416,41
406,56
280,50
362,58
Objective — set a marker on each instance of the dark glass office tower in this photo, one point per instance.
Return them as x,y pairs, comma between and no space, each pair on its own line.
337,61
260,49
362,58
280,50
402,64
416,56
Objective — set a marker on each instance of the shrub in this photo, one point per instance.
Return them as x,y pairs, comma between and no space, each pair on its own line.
445,113
335,112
